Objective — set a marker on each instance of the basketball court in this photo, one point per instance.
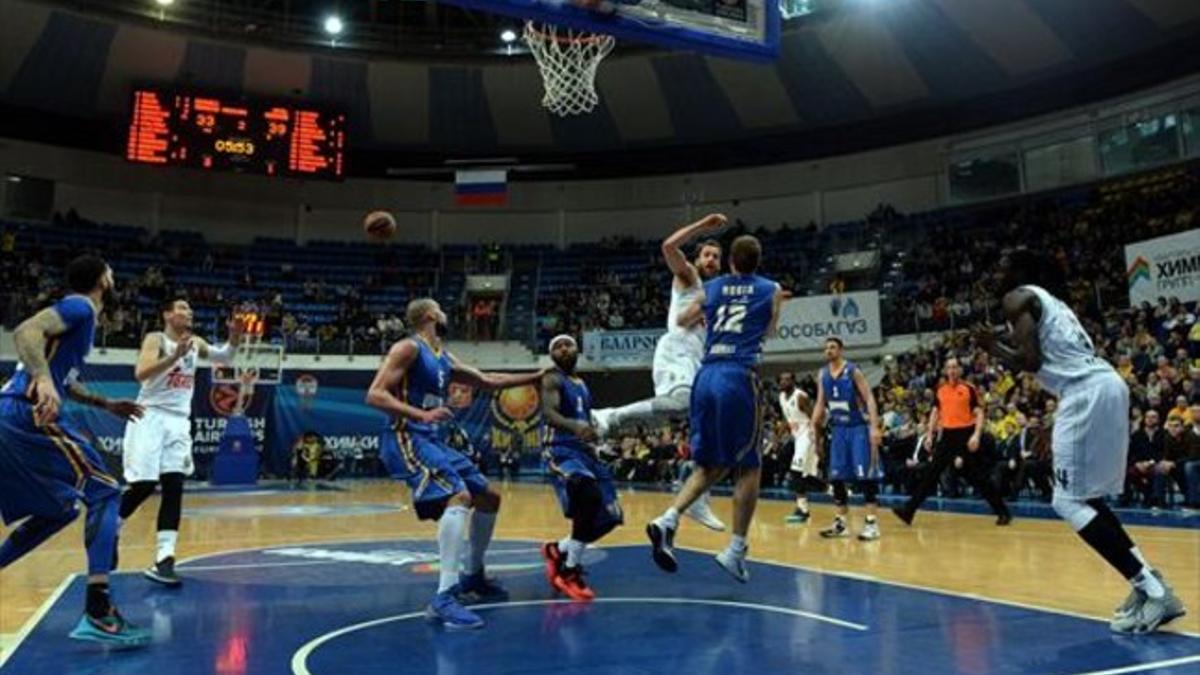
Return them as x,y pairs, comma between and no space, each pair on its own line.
336,580
608,120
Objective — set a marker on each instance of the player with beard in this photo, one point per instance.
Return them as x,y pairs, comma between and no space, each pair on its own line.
411,387
584,486
741,310
678,354
46,464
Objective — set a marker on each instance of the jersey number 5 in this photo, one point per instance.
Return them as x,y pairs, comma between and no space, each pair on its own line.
730,318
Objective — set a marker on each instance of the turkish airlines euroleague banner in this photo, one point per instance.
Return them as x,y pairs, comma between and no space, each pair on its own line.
213,404
1165,267
327,402
210,408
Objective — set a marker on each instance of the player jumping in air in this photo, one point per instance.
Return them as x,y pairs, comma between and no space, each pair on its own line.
678,353
741,310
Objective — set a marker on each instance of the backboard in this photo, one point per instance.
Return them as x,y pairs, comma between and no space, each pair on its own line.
254,362
742,29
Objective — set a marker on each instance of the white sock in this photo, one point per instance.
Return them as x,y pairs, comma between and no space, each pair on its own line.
482,526
649,409
737,544
669,519
1137,553
450,542
802,503
574,551
634,412
870,520
166,544
1148,583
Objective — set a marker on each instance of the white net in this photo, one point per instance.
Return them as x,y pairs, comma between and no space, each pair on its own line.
568,60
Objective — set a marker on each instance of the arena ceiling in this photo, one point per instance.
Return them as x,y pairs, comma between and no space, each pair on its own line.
869,73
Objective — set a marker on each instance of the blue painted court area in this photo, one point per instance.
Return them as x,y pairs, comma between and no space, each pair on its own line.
356,608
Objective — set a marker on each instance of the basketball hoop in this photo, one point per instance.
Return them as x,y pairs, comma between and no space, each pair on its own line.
568,60
253,363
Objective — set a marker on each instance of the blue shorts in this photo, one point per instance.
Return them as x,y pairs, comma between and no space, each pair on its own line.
563,462
44,471
726,421
434,471
850,454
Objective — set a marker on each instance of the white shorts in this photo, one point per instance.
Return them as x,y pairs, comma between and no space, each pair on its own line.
804,458
1090,440
673,369
160,442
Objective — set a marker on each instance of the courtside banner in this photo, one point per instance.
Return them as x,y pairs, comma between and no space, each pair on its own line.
1165,267
621,347
805,323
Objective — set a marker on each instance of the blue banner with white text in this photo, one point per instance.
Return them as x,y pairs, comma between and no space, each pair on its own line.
329,403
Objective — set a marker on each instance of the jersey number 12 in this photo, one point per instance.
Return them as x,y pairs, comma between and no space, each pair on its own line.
730,318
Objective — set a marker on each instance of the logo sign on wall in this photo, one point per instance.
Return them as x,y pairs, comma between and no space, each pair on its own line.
1165,267
805,323
516,418
621,347
306,389
216,402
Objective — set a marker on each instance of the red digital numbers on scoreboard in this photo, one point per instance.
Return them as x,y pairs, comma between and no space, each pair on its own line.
316,143
149,135
207,132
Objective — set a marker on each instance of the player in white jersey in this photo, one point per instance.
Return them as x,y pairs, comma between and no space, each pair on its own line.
797,410
158,447
678,353
1091,428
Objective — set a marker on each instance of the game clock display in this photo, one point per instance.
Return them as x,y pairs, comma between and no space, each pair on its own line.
173,128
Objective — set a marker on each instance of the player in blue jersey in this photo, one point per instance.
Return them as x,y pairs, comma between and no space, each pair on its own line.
842,396
46,465
584,486
411,386
740,309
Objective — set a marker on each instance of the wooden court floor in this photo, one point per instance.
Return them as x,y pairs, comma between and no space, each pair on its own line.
1035,562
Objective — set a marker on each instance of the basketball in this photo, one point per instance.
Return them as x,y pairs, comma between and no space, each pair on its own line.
379,225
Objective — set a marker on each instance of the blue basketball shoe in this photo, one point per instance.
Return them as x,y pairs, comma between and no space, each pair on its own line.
447,610
112,630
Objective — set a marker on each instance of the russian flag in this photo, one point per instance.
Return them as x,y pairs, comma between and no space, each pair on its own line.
481,188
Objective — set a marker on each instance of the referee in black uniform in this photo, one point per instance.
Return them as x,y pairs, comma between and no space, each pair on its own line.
958,414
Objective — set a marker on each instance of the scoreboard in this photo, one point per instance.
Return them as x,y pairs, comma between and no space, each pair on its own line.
174,128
